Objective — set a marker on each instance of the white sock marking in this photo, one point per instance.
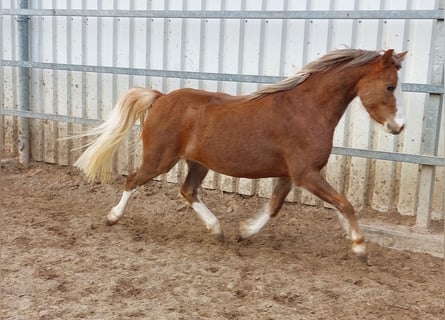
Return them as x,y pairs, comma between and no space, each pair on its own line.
254,225
117,211
359,248
355,236
209,219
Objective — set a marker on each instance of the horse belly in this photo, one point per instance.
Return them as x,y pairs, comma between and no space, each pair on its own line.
241,162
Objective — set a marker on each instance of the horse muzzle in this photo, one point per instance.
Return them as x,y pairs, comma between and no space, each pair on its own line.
394,126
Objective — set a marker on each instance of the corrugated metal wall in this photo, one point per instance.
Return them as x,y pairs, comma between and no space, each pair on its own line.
272,47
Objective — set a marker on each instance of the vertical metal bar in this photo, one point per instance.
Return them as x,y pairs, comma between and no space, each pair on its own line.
242,32
51,144
202,41
2,93
165,46
99,101
330,27
283,39
84,62
398,141
262,41
222,35
370,180
148,44
430,138
131,44
23,99
430,132
67,145
114,54
38,103
306,35
183,44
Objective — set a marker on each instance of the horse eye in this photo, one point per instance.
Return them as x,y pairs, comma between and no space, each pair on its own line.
390,88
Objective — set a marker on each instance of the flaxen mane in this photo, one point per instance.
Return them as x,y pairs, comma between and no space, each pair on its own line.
350,58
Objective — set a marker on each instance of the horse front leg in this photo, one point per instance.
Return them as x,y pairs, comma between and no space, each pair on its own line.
254,225
314,182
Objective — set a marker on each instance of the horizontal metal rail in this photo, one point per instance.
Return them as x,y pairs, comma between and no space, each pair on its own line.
407,87
213,14
49,116
352,152
391,156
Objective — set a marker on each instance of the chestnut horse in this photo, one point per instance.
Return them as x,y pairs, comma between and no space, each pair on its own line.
284,130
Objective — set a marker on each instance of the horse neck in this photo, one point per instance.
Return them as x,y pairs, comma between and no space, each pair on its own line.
331,92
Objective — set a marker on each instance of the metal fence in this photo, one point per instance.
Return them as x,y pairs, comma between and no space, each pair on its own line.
64,63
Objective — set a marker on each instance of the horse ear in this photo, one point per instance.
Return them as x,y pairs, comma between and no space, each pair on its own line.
401,55
388,57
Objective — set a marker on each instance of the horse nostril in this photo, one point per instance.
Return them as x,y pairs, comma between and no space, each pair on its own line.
393,128
396,132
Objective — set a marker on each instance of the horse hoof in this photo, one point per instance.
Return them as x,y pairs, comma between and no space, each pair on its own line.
110,222
360,252
111,219
219,237
244,232
363,258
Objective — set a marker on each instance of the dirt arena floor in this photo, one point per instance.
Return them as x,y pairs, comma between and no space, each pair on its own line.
60,261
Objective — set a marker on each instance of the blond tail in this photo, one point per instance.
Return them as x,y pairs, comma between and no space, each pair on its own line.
97,160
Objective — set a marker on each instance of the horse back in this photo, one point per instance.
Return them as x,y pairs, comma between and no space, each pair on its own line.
186,110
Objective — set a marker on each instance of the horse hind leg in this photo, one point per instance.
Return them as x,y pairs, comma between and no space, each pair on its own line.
117,211
254,225
151,167
189,191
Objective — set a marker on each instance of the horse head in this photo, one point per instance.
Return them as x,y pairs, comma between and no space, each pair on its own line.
380,91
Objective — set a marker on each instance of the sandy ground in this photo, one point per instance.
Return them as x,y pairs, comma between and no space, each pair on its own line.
60,261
